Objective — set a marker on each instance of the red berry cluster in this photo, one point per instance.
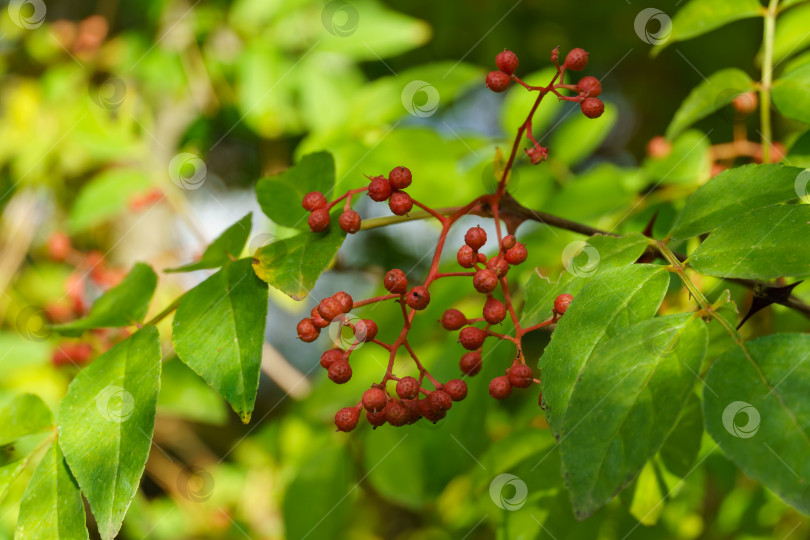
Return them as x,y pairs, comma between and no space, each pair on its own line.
379,189
588,89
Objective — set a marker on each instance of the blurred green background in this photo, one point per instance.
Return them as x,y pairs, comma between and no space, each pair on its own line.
98,100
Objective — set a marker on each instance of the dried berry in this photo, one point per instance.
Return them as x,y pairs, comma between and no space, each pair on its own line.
453,319
472,338
418,298
470,363
407,388
500,387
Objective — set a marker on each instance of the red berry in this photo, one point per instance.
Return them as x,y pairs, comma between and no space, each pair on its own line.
340,371
333,355
317,320
470,363
329,308
517,254
472,338
59,246
418,298
379,189
346,418
365,330
475,237
349,221
439,399
307,331
345,301
507,61
499,265
319,220
456,389
374,399
589,86
434,414
396,414
494,311
658,147
500,387
313,200
592,107
453,319
508,242
400,177
376,419
745,103
481,257
400,203
521,376
497,81
395,281
576,60
407,388
466,256
485,280
561,303
413,409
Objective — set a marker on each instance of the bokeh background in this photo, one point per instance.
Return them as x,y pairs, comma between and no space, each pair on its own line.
138,129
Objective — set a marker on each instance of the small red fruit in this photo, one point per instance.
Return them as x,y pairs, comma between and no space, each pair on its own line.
346,418
589,86
329,308
517,254
365,330
439,399
400,203
497,81
379,189
395,281
340,371
59,246
313,200
658,147
319,220
475,237
456,389
494,311
350,221
508,242
376,419
507,61
345,301
418,298
562,302
521,376
592,107
407,388
466,256
500,387
485,280
396,414
470,363
576,60
453,319
499,265
317,320
307,331
400,177
472,338
374,399
333,355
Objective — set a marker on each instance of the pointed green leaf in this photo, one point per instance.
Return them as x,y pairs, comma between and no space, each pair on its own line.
603,253
791,35
23,415
765,243
106,422
791,94
697,17
218,331
712,94
123,305
731,193
51,507
280,196
757,411
625,402
609,303
681,448
293,265
227,246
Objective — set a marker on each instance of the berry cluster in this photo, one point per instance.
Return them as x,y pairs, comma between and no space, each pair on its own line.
588,89
412,399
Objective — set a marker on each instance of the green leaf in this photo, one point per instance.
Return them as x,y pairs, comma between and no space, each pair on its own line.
689,161
184,395
51,507
123,305
791,36
791,94
609,303
649,496
24,414
712,94
579,136
758,413
218,331
605,252
228,245
106,422
293,265
732,193
105,196
765,243
280,196
625,402
682,446
698,17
